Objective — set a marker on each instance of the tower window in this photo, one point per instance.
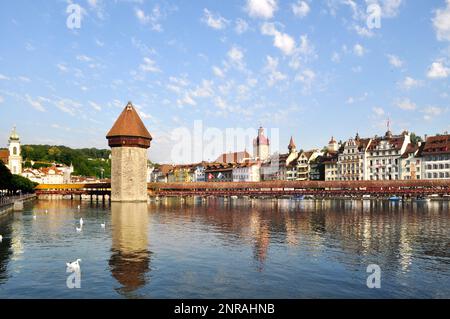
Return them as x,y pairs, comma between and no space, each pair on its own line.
15,150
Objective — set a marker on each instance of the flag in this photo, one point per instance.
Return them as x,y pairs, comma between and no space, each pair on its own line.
220,176
210,176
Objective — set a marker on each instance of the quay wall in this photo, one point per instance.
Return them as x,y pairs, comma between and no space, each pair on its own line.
6,208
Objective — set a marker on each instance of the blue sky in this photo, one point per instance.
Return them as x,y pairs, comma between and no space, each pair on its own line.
312,69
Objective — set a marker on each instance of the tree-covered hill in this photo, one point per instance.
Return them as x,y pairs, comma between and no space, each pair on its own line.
86,161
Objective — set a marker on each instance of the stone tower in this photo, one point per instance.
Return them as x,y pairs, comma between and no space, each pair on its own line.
15,157
333,146
129,141
261,146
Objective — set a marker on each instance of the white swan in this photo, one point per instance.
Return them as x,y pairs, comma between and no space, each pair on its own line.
79,229
103,225
79,207
81,222
74,266
34,217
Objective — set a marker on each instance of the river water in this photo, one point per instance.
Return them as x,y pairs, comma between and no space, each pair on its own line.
227,249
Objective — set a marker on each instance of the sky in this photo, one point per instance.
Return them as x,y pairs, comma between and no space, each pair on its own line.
310,69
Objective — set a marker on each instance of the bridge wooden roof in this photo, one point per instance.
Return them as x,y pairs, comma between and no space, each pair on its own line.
129,124
266,184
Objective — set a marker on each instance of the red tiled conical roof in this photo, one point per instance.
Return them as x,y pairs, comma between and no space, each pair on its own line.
129,124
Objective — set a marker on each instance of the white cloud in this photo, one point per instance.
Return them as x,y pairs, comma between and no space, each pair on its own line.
438,70
395,61
282,41
2,99
406,104
95,106
36,104
352,100
204,90
149,66
305,48
67,105
441,23
300,9
62,67
218,72
220,103
84,58
261,8
182,81
215,21
336,57
272,69
378,111
241,26
358,49
153,18
236,57
142,17
432,111
99,43
390,8
24,79
186,100
302,53
4,77
409,83
307,78
362,31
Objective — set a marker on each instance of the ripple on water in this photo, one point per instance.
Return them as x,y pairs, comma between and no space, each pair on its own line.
236,249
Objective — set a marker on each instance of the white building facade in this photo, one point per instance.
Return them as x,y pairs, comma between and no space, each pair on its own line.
247,172
384,156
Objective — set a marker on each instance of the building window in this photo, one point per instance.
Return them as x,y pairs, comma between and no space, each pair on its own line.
14,150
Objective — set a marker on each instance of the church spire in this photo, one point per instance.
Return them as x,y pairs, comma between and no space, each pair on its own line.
14,136
291,145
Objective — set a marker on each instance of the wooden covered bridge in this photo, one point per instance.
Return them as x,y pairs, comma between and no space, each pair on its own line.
406,188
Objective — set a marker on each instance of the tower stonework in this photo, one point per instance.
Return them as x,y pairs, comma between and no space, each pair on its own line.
129,140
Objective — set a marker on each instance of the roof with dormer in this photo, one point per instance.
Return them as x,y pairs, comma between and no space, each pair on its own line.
439,144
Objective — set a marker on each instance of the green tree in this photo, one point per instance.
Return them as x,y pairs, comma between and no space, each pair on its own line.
415,139
22,183
5,177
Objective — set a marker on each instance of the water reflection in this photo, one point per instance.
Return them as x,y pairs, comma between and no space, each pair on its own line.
5,245
130,257
228,249
389,234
